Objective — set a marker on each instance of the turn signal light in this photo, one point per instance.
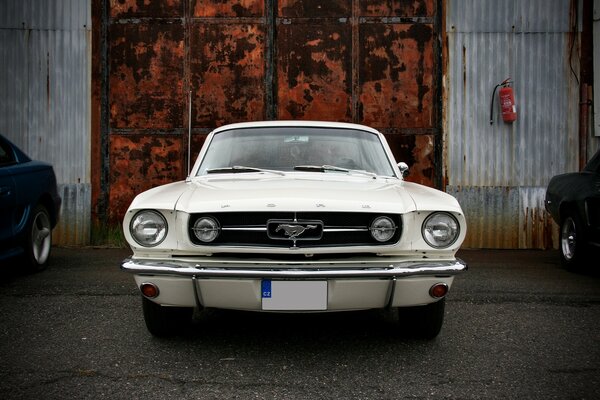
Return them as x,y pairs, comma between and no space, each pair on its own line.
149,290
438,290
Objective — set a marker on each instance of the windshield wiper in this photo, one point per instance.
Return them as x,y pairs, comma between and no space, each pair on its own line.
240,169
325,168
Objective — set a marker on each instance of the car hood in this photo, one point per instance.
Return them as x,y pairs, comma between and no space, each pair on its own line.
295,192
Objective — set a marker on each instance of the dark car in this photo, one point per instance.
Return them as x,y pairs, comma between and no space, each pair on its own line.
573,201
29,207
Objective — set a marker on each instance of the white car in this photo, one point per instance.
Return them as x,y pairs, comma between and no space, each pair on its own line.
294,216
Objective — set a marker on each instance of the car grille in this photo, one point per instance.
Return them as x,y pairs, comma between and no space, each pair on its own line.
289,229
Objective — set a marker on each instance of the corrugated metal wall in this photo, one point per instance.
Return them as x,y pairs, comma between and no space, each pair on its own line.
45,49
374,62
499,172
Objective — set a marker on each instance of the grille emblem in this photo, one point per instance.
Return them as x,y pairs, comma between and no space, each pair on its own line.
293,231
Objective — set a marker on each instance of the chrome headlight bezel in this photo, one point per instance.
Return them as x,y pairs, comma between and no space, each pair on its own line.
440,230
383,229
148,228
210,229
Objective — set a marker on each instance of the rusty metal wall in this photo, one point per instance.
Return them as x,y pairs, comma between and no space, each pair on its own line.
45,53
596,67
499,172
376,62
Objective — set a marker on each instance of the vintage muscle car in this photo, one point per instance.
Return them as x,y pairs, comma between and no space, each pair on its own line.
291,216
573,201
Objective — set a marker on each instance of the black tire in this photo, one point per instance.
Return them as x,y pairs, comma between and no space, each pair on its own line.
165,321
423,322
572,241
38,239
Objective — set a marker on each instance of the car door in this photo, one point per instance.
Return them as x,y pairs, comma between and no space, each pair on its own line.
8,196
592,196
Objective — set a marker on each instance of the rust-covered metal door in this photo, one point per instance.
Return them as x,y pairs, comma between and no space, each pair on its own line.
375,62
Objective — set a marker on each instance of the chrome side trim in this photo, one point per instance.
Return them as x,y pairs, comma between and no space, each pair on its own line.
297,271
245,229
264,229
357,229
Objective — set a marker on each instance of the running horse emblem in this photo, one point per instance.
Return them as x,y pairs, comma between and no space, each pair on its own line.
293,231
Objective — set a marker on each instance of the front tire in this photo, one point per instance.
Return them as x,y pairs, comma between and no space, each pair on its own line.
38,240
164,321
424,322
572,241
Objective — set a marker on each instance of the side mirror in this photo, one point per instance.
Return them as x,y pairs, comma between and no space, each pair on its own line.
403,169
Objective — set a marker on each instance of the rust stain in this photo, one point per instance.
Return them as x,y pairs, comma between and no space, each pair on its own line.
157,50
145,8
96,161
220,8
227,74
139,163
396,74
464,69
549,230
146,80
444,92
314,8
48,96
314,72
418,152
196,146
541,230
402,8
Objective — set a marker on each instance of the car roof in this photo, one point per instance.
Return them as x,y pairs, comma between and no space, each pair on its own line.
291,123
20,155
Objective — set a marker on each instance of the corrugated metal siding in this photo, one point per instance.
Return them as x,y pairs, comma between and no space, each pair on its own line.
499,172
45,50
531,16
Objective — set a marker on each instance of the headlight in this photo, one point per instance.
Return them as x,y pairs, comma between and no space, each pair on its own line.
440,230
148,228
382,229
206,229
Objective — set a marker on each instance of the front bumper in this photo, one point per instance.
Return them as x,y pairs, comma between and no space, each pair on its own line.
279,270
350,285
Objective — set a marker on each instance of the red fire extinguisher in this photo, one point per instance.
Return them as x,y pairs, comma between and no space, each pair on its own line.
507,102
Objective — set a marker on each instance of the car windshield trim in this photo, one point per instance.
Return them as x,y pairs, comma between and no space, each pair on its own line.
234,169
352,151
333,168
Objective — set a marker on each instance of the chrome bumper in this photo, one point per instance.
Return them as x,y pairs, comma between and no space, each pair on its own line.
324,270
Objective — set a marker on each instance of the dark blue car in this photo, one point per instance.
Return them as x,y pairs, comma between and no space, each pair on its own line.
29,207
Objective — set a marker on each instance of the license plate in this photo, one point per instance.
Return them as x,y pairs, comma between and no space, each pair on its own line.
294,295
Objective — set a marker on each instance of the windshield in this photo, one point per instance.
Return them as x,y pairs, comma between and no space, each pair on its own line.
285,148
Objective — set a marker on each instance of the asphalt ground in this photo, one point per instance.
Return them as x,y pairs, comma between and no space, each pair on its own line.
517,326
